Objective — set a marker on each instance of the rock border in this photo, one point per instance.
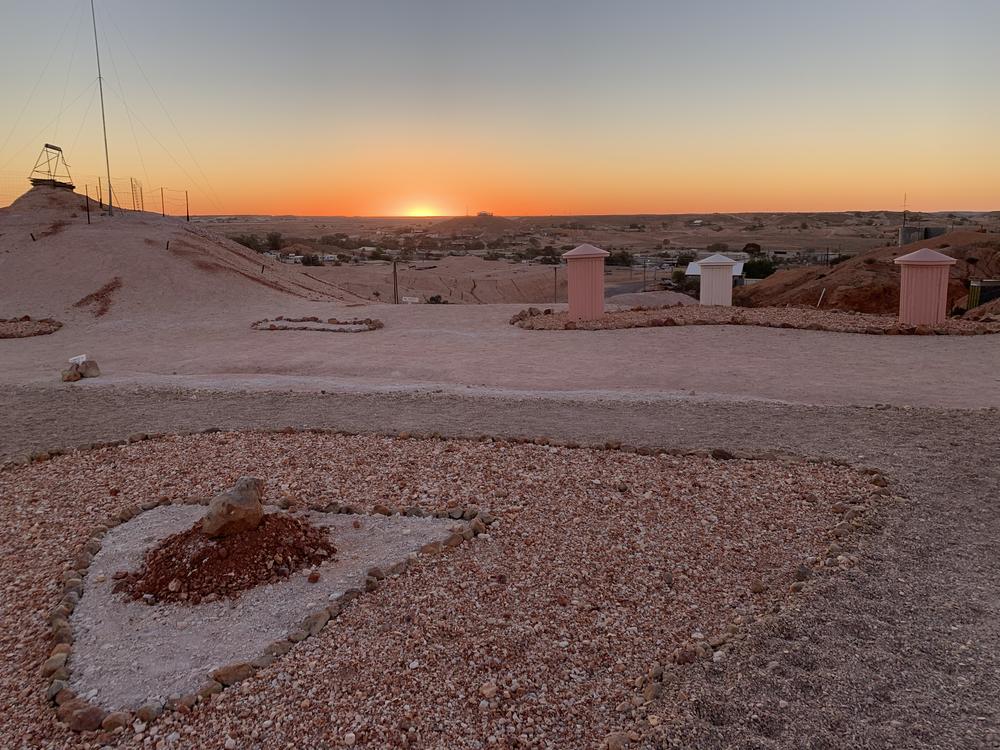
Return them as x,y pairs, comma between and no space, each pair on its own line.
81,716
48,326
277,324
614,320
471,521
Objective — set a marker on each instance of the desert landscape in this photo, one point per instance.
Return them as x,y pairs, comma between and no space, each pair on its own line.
450,412
547,473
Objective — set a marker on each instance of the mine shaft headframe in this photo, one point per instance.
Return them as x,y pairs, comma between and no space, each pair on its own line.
51,168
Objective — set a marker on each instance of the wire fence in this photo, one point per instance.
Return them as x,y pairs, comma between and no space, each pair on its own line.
125,193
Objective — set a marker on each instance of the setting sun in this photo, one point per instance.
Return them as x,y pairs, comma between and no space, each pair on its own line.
423,210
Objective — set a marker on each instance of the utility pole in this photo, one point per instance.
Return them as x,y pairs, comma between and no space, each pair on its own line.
187,206
86,190
104,122
555,284
163,210
395,284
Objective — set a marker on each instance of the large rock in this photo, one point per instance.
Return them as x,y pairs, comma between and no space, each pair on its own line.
89,369
235,510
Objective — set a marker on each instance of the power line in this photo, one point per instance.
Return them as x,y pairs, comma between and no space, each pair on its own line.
128,115
211,194
104,122
69,71
34,89
34,138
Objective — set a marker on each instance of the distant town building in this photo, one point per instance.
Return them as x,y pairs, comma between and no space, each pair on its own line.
915,234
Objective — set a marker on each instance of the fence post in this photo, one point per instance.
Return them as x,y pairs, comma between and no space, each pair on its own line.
100,194
86,189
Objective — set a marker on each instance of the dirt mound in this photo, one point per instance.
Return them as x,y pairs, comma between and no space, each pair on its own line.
189,566
870,282
52,261
477,225
989,311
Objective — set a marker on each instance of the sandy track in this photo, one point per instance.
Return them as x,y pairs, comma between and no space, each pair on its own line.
474,346
901,654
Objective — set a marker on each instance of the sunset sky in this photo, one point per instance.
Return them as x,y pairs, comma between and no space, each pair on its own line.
388,108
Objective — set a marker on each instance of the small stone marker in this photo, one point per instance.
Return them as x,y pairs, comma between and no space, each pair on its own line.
235,510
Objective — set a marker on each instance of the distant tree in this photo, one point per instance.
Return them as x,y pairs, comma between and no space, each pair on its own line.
758,268
308,259
274,242
717,247
752,248
377,254
249,240
619,258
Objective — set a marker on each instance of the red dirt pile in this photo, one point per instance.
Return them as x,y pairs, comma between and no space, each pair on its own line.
191,567
870,282
100,301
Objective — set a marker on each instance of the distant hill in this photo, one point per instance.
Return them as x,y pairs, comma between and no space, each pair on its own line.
476,225
870,282
133,264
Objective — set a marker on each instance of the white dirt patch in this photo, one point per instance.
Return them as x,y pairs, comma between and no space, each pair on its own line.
127,652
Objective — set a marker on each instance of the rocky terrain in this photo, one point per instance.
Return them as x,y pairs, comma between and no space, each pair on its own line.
870,282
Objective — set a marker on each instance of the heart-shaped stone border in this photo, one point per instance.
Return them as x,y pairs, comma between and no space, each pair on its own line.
82,716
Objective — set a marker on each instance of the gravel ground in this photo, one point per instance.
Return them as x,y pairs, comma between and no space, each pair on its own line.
601,564
169,650
899,652
773,317
16,328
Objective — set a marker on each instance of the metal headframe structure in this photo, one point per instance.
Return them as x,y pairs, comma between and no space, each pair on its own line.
51,168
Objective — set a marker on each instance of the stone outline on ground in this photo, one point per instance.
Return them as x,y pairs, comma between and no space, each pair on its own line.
331,325
81,716
535,319
26,327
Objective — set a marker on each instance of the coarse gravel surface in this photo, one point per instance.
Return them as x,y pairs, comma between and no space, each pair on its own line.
129,652
898,653
600,565
772,317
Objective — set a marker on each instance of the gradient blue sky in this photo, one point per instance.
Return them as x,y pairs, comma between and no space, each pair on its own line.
543,107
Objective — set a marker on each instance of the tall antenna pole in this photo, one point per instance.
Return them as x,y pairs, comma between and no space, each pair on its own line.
104,122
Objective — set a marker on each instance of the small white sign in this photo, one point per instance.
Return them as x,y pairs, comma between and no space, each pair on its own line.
411,300
79,359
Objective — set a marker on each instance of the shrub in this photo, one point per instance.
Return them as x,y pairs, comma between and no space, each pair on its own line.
758,268
248,240
274,241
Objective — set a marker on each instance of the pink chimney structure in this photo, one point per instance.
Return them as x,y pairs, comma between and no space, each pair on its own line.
923,288
716,281
585,280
